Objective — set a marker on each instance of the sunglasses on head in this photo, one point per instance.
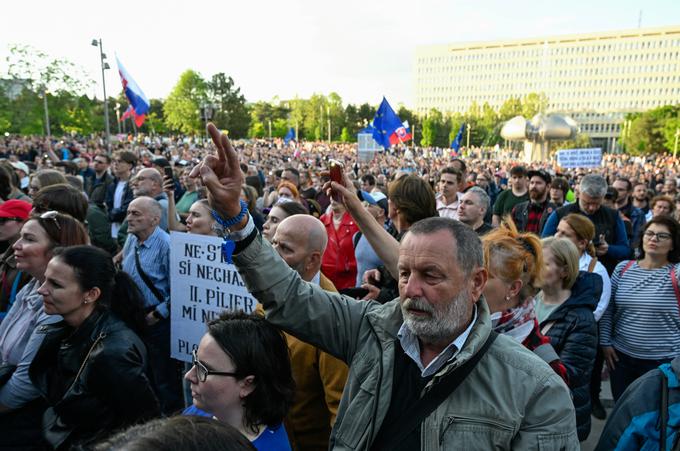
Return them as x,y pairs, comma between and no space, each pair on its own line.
52,216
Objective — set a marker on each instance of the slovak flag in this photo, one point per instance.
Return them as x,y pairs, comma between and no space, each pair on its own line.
401,134
139,104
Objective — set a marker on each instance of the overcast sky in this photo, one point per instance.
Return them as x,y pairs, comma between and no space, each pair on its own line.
360,49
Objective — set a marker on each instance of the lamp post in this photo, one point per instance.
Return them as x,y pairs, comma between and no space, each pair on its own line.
104,66
47,114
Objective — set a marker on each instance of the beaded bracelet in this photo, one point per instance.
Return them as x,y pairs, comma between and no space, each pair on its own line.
228,245
232,221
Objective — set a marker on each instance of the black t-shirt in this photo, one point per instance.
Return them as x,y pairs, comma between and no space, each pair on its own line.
407,386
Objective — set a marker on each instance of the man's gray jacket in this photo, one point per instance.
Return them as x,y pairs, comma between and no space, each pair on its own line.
511,400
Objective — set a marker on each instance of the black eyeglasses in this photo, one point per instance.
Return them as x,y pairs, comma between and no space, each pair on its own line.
661,236
202,372
51,215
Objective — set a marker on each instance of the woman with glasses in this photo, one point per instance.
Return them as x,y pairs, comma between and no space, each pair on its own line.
43,178
641,328
91,366
22,331
241,375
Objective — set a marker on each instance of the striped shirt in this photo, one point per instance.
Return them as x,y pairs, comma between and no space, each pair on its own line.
643,317
154,258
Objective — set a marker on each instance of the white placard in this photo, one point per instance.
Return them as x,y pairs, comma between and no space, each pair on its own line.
202,286
367,147
579,158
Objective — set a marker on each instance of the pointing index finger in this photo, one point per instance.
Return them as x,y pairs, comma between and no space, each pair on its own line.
216,137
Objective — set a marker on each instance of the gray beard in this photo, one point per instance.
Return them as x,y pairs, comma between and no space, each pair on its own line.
442,324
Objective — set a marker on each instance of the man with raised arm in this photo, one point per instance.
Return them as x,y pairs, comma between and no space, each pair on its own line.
426,372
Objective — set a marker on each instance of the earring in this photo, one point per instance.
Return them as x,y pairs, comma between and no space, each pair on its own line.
86,302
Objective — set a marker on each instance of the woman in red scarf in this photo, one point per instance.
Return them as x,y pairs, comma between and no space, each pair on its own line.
514,261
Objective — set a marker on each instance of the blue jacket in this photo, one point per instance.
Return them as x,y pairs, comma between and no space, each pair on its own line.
634,422
574,337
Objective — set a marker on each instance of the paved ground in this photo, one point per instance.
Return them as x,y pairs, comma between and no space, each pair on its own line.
598,425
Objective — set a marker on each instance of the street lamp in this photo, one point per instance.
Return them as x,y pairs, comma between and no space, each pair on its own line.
104,66
47,114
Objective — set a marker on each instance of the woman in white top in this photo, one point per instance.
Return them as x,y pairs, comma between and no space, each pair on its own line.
580,230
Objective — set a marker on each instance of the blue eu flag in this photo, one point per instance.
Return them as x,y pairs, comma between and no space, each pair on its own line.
455,144
385,123
289,136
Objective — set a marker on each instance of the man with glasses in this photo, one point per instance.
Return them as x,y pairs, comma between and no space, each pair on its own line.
611,241
149,182
96,187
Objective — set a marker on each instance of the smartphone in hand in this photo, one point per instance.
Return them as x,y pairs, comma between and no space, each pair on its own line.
336,170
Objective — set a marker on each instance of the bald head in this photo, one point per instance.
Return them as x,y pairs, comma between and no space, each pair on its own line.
147,182
301,241
143,216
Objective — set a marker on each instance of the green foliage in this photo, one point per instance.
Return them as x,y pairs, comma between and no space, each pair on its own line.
582,141
345,136
231,112
652,131
182,107
533,104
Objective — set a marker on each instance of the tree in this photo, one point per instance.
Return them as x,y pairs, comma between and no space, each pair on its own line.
353,122
511,107
345,136
366,114
231,110
582,141
39,80
533,104
182,107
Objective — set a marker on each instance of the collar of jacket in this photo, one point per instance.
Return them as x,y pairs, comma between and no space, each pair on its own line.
390,316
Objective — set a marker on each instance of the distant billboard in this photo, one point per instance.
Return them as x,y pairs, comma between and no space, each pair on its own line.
579,158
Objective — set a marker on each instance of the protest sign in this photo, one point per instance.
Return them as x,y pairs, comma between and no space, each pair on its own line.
202,286
367,147
579,158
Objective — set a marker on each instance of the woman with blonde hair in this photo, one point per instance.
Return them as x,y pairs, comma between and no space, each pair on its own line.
514,261
580,230
565,308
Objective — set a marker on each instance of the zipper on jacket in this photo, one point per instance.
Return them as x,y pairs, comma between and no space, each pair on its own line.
476,420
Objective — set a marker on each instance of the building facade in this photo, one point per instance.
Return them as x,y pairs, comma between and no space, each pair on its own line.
596,78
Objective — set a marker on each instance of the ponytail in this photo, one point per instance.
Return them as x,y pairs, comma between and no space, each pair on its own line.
127,302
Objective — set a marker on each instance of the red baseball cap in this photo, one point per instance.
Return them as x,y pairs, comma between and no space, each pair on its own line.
15,208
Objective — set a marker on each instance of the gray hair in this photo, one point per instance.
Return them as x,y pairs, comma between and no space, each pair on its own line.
593,185
469,254
482,197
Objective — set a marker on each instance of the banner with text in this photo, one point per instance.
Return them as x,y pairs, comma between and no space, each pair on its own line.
203,285
579,158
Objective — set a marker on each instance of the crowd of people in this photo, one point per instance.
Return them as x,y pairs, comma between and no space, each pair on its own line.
421,300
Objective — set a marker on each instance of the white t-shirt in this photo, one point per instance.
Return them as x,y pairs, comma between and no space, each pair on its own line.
583,264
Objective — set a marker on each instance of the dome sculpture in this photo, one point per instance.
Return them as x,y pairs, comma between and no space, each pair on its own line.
538,132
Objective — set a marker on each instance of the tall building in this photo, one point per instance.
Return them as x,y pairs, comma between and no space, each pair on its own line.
596,78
